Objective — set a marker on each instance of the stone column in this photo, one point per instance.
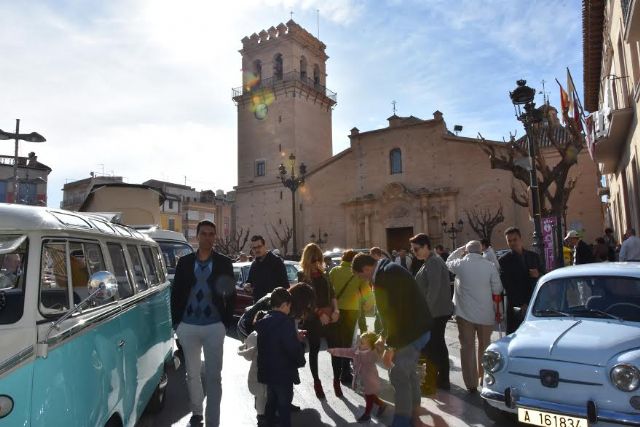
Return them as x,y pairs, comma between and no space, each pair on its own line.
367,230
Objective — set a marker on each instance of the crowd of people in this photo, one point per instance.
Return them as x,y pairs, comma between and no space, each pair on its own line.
410,296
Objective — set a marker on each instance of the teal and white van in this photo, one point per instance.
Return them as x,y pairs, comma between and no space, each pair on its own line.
85,320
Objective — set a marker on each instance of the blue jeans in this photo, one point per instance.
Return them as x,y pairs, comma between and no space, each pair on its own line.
279,397
405,381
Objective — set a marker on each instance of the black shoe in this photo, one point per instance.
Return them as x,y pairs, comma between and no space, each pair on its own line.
294,408
364,418
196,420
472,390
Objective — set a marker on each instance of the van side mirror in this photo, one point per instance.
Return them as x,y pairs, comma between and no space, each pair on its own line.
102,287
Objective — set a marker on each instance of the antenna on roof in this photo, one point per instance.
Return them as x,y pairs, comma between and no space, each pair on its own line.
291,14
394,107
457,129
318,22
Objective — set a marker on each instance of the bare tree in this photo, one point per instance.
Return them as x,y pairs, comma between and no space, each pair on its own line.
232,244
554,184
283,234
483,221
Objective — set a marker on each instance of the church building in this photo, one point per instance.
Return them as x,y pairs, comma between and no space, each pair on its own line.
390,184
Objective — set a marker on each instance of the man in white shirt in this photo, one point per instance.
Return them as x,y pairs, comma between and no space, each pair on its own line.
477,281
630,249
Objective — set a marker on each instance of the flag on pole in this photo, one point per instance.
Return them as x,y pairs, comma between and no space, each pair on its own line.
575,106
564,100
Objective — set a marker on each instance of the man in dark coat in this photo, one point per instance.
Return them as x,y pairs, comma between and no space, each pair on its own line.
267,270
519,273
202,301
279,357
582,252
406,324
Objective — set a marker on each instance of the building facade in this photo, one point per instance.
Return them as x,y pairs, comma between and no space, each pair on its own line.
612,91
32,180
74,193
390,184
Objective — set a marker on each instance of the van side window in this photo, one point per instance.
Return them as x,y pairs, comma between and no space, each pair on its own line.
160,264
138,271
85,259
150,265
116,253
54,280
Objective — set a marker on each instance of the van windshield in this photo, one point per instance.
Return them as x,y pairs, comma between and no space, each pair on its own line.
13,264
172,252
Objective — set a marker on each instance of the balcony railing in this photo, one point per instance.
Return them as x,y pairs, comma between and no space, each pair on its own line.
293,76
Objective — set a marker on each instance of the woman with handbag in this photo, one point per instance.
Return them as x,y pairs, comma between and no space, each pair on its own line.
326,313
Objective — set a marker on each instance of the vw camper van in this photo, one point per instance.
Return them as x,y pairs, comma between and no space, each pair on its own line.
85,320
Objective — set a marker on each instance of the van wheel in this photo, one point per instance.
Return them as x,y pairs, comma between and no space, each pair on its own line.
495,414
156,404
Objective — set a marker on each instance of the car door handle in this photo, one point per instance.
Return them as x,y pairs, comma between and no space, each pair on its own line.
121,343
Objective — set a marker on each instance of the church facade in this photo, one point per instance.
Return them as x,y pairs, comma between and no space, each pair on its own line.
390,184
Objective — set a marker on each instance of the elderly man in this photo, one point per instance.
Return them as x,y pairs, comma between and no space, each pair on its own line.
476,287
406,329
10,271
630,249
582,253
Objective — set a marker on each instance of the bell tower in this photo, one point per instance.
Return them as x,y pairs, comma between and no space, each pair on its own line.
284,108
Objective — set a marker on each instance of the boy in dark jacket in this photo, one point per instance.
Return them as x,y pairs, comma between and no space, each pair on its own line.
279,357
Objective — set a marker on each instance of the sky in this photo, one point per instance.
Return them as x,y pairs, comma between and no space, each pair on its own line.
142,88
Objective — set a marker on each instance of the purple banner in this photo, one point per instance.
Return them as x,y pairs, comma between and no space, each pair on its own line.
548,229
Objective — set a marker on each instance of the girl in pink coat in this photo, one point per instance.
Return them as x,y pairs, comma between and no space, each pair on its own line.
365,357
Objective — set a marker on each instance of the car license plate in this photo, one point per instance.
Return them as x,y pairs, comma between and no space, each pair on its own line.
547,419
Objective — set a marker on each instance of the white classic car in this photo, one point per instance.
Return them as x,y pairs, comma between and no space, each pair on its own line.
575,360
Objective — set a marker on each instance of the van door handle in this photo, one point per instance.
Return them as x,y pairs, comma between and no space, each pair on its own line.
121,343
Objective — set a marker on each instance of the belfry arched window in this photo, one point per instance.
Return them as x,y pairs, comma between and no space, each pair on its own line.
277,67
395,161
303,68
316,74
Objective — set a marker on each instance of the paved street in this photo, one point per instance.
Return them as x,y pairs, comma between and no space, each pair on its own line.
454,408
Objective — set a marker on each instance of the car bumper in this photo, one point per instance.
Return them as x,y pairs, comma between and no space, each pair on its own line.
510,401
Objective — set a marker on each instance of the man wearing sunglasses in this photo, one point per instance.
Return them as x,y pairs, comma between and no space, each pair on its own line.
267,270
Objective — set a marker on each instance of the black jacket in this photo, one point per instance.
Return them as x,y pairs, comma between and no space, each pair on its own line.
514,275
221,281
280,354
267,274
583,253
403,310
245,324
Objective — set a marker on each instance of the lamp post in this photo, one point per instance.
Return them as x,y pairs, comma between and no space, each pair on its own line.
322,237
452,230
292,182
17,136
522,98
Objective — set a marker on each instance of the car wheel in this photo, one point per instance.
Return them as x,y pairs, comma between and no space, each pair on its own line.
156,404
495,414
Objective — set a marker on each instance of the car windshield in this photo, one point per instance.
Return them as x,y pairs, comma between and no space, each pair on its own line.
610,297
13,264
172,251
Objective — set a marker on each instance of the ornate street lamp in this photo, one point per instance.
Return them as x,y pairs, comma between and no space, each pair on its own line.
322,237
452,230
292,182
522,98
17,136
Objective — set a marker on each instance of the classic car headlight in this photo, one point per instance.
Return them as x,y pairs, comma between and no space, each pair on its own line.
6,406
491,361
625,377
